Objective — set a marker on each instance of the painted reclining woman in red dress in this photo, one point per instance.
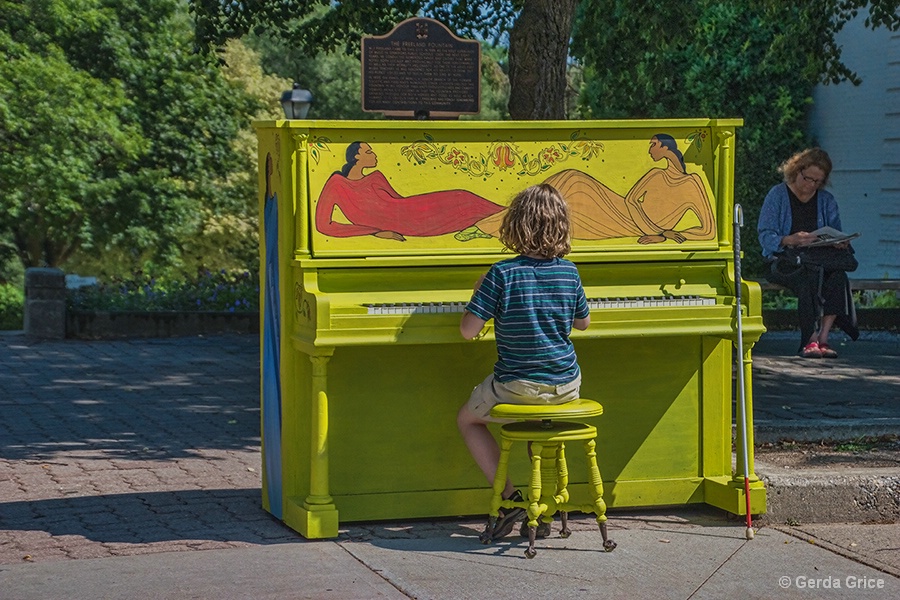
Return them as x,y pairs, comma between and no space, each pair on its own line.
373,207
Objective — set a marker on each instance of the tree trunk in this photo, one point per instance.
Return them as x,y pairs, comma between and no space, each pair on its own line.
538,54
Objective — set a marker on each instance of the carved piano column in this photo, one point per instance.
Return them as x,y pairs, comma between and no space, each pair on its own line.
317,517
318,461
300,182
725,186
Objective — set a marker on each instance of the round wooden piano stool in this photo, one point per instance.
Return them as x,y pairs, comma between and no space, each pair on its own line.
546,434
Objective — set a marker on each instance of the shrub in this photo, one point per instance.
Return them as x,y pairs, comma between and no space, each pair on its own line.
862,299
12,306
779,299
210,291
877,299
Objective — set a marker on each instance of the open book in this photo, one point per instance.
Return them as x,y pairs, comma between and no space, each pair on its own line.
829,236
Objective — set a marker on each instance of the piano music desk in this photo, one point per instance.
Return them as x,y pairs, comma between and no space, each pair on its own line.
360,393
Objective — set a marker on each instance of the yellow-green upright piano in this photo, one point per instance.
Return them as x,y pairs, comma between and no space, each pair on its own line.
373,234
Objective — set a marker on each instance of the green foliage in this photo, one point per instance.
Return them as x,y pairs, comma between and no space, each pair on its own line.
779,299
860,444
333,77
209,291
112,131
861,298
877,298
494,85
61,144
11,270
12,306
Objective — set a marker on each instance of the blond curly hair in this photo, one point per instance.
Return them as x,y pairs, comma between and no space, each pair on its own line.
537,223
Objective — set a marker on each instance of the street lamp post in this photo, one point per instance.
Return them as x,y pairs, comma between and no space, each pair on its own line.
296,102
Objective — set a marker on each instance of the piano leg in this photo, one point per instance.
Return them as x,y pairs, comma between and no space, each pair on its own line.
728,492
318,516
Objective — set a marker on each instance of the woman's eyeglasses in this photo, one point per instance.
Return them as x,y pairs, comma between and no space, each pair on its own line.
810,179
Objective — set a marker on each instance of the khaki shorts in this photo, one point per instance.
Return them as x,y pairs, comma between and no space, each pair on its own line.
491,392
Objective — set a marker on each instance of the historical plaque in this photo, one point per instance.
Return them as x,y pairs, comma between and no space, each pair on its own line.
420,69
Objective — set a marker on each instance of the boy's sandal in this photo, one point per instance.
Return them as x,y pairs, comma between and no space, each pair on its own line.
509,517
827,351
812,350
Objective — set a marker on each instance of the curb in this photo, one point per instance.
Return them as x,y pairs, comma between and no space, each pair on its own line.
864,495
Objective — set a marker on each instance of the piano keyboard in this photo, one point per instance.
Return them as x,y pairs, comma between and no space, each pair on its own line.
409,308
649,302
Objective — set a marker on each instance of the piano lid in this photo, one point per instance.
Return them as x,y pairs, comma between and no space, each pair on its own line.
433,188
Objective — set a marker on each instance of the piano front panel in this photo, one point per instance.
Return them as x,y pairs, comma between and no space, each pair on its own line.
394,450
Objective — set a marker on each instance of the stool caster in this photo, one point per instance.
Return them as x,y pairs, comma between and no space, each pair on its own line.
608,544
564,519
487,536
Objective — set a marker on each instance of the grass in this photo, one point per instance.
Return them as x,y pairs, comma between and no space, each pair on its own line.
858,445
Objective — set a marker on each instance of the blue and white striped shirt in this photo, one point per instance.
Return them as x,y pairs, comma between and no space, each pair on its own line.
533,303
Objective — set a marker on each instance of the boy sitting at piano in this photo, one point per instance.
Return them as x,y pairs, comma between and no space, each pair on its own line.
535,299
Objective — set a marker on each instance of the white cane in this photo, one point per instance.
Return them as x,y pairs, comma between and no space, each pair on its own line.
739,345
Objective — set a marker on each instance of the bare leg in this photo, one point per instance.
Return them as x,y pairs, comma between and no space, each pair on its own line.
827,322
482,445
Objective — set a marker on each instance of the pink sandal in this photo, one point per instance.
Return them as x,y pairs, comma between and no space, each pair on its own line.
812,350
827,351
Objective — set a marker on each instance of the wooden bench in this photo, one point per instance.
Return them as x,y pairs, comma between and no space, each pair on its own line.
869,318
876,285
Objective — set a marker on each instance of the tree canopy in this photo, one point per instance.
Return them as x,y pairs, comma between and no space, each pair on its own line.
112,130
538,31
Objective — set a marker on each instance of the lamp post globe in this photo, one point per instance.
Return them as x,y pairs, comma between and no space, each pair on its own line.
296,102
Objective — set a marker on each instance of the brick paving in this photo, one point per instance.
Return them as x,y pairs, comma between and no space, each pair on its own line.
113,448
126,447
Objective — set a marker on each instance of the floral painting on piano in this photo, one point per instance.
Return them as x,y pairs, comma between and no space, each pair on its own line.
379,194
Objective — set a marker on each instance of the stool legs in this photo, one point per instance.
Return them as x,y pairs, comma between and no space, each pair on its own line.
548,468
538,474
596,489
562,484
549,471
499,483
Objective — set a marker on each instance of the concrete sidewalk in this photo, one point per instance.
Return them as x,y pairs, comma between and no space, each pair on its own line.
130,469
